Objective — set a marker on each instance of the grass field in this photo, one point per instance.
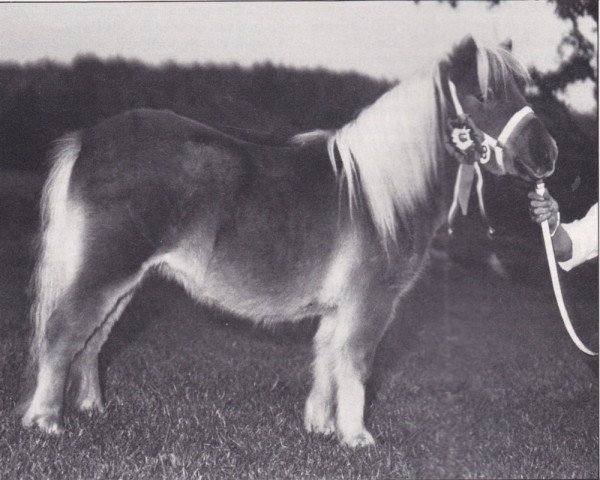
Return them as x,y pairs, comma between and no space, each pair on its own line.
476,379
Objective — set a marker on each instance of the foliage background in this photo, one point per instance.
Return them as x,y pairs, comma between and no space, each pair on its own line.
41,101
475,379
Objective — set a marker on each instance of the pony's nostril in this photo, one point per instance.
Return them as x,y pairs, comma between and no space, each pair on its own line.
543,153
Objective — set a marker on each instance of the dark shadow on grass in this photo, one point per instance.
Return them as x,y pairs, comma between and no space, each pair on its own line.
419,315
145,310
142,311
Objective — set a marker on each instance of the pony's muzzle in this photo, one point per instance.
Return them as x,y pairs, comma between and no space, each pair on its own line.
536,153
544,152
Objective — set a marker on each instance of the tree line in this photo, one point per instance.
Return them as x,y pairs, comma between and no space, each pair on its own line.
43,100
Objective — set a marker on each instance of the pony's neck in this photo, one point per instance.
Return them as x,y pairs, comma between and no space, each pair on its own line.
390,152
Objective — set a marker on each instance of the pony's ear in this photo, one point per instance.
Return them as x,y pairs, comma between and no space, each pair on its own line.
463,62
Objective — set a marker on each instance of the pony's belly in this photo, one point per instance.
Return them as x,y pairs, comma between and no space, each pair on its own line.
234,288
264,301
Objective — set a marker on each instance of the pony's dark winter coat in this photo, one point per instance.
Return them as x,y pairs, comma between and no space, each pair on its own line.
174,174
333,224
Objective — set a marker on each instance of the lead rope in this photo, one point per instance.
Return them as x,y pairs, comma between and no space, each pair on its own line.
540,188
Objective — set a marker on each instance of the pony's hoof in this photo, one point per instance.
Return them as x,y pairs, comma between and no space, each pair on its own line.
49,424
90,406
324,426
362,439
318,418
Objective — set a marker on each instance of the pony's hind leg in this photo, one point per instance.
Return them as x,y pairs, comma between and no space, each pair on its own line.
67,330
71,341
84,380
83,376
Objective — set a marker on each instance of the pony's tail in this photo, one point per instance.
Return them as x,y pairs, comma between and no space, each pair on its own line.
58,250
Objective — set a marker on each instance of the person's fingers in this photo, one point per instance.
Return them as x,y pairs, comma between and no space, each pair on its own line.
540,203
535,196
542,207
540,217
541,211
537,219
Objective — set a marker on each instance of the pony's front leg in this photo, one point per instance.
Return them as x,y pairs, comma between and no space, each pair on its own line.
319,410
358,333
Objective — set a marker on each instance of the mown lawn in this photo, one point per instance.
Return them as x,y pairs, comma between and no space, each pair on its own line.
476,379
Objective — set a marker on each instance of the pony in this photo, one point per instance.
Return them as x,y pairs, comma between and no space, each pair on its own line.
332,224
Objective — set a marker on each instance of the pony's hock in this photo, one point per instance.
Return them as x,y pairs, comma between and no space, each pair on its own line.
265,232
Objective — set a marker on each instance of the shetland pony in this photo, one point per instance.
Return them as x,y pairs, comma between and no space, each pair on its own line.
334,224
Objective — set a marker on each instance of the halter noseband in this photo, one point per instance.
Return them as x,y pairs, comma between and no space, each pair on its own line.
490,142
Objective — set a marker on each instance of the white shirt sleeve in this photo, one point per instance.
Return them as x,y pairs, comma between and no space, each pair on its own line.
584,237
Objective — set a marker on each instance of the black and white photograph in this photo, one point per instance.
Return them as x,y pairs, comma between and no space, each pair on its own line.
299,240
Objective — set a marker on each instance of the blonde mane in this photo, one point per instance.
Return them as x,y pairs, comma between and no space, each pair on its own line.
390,151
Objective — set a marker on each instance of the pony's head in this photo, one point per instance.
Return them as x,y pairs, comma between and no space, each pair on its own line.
488,85
392,151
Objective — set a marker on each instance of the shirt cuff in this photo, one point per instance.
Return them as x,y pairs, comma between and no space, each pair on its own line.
584,239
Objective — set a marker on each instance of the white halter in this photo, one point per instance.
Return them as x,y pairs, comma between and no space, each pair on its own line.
491,142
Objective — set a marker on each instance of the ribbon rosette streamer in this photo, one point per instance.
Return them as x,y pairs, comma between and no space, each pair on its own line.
467,144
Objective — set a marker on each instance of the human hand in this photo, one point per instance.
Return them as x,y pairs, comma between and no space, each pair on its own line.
543,208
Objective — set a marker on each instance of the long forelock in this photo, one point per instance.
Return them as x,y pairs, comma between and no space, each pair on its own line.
389,152
496,68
